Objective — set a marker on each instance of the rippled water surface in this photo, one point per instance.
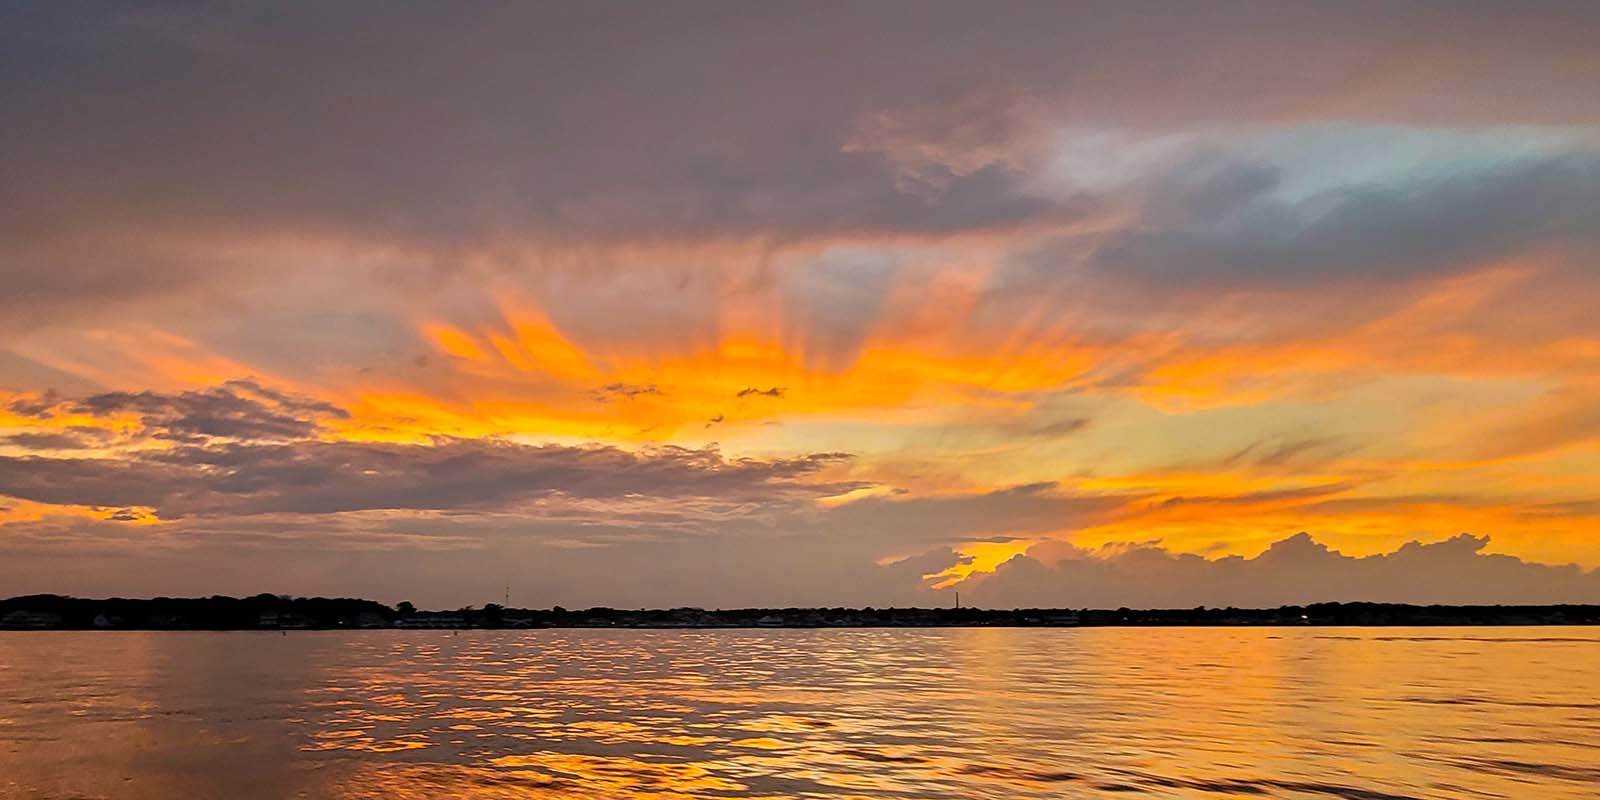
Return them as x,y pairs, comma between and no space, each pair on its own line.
959,713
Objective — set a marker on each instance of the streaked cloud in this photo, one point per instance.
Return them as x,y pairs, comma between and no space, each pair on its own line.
775,299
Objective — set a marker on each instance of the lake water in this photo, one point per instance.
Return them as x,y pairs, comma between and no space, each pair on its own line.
952,713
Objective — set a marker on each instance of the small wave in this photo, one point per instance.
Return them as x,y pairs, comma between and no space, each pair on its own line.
1504,766
1019,774
1262,786
881,757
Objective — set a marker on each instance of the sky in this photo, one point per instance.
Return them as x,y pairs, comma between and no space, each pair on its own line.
731,304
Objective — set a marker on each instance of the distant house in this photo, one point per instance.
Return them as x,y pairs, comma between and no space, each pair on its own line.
274,619
434,619
690,618
30,620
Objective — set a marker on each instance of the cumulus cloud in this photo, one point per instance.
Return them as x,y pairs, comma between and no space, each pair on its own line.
1295,570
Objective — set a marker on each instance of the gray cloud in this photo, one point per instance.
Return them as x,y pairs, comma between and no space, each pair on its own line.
663,525
151,149
444,561
832,303
49,441
312,477
1226,227
166,151
1295,570
40,407
1013,512
598,525
685,118
624,391
590,525
238,409
1064,427
704,539
242,448
1227,248
1285,453
512,121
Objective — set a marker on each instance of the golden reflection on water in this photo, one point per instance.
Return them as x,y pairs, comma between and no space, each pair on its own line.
1374,714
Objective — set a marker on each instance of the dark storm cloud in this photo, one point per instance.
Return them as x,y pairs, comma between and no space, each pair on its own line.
311,477
238,409
1292,571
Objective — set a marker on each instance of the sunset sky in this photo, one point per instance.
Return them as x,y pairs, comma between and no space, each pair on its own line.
822,304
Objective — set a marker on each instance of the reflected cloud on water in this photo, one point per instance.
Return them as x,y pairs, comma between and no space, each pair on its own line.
953,713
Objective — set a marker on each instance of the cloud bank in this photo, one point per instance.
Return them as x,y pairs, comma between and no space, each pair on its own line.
1293,571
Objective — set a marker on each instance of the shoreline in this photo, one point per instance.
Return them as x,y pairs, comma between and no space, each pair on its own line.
1272,626
277,612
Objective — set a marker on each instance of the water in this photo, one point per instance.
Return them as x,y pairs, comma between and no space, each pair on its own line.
956,713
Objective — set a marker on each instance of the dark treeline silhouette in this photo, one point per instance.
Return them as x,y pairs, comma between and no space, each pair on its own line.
267,611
